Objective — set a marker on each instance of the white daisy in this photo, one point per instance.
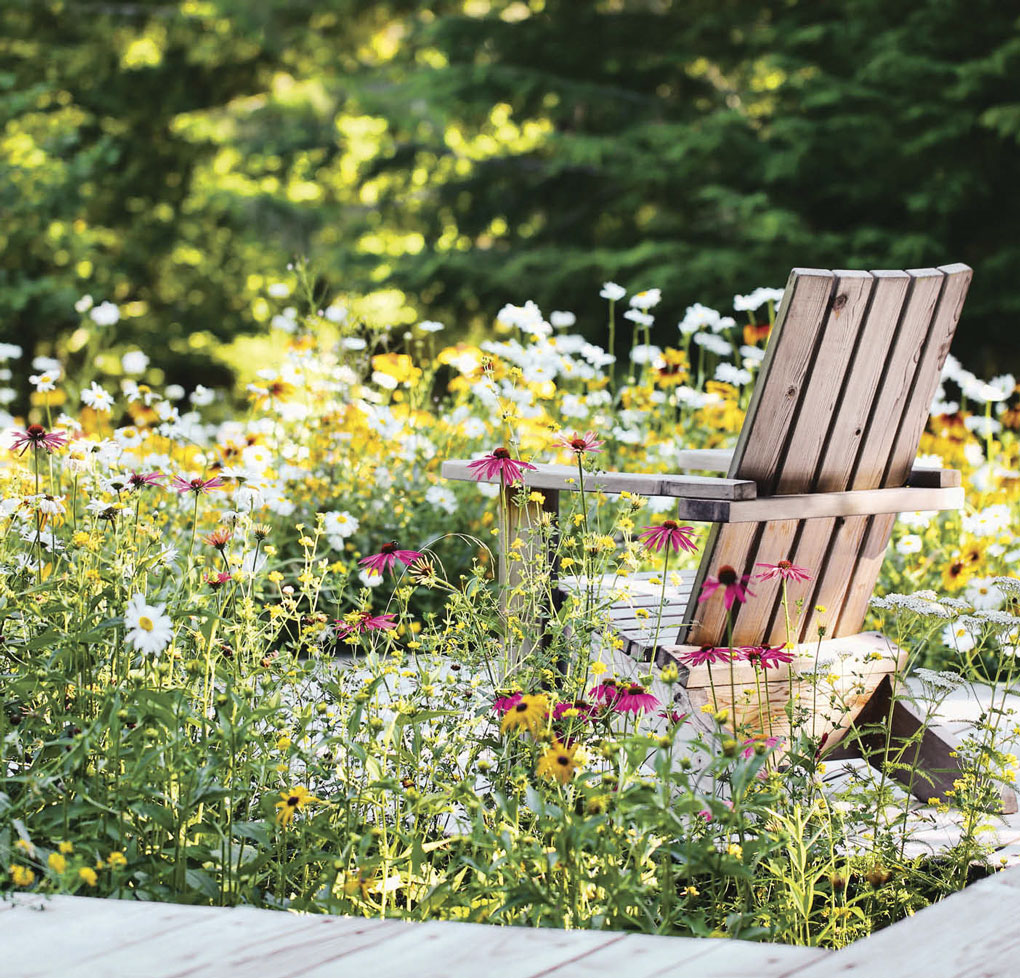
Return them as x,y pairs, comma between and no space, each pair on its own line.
97,398
149,629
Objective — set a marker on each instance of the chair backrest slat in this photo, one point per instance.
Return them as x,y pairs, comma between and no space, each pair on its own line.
841,401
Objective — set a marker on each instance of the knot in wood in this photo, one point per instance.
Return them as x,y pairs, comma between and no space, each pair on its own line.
791,391
839,302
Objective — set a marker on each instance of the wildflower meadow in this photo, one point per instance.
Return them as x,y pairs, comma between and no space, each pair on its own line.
254,649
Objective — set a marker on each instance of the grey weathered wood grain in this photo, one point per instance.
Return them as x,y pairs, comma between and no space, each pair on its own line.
79,937
972,934
565,479
787,365
817,505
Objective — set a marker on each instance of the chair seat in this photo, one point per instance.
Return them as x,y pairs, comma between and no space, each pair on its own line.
635,608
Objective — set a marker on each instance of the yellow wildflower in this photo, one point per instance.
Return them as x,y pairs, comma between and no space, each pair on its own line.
291,802
558,763
528,714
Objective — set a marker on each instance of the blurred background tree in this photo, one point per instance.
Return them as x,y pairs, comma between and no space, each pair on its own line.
444,158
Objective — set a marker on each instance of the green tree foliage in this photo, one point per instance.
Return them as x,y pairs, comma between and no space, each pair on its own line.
449,157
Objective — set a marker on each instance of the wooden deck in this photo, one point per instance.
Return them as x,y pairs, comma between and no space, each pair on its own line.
973,934
81,937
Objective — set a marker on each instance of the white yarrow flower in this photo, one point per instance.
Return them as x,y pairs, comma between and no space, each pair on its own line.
105,314
641,318
646,300
134,362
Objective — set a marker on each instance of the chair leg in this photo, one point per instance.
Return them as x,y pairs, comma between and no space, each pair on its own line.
934,752
529,567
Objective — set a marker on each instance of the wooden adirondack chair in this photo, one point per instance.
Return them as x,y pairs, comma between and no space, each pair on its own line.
823,463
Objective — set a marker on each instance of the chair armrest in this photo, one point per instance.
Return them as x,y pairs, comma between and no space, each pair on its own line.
816,505
564,479
719,459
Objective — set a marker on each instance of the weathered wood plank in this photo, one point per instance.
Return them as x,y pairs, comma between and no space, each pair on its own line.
897,725
719,460
564,478
857,502
751,622
897,380
858,389
674,957
75,937
865,647
833,575
727,545
971,934
869,565
784,371
915,412
527,572
827,391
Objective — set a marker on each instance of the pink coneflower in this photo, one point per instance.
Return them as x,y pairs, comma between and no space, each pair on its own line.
498,462
584,710
363,621
706,813
506,703
197,486
673,716
784,569
769,657
389,554
708,654
589,442
38,437
670,534
769,743
635,699
138,481
607,692
735,585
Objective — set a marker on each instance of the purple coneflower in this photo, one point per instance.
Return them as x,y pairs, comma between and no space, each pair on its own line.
706,656
498,462
784,569
506,703
769,657
669,534
582,709
736,589
607,692
363,621
38,437
197,486
389,554
673,716
769,742
138,481
589,442
635,699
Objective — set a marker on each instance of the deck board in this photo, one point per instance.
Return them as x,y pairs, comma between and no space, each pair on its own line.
82,937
